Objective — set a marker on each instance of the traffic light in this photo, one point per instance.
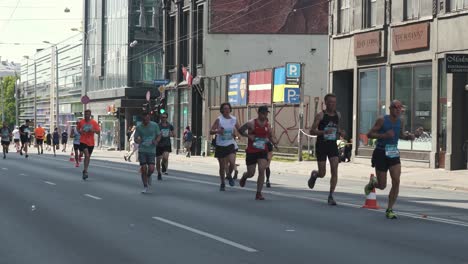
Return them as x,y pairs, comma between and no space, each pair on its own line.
161,107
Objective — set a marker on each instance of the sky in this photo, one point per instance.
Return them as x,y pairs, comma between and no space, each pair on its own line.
24,24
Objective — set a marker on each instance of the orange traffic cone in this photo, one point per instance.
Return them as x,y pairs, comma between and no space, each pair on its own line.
72,157
371,199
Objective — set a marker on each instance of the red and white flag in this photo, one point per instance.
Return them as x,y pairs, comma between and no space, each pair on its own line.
187,76
260,87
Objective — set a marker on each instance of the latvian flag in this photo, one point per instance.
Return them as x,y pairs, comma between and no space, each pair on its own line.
260,87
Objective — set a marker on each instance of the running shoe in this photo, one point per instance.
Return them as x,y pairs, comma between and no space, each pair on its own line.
222,187
312,179
26,156
243,180
370,186
331,201
259,196
145,190
77,165
390,214
21,152
125,158
268,185
231,181
85,175
159,177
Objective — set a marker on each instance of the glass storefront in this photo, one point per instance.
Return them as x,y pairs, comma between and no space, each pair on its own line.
109,131
412,85
372,89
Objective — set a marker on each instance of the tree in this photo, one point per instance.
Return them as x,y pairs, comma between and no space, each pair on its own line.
8,92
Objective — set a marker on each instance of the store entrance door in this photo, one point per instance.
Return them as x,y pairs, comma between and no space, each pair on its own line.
459,122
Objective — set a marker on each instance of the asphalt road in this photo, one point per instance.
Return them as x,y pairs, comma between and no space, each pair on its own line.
49,215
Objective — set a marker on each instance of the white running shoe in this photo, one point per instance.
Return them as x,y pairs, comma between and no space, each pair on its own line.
145,190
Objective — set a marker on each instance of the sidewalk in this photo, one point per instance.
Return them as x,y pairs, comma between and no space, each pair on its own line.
410,176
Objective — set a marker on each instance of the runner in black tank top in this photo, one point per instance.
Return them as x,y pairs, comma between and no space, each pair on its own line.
326,127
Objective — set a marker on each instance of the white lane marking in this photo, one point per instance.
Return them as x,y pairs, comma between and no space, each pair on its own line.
290,230
94,197
22,174
205,234
411,215
50,183
4,168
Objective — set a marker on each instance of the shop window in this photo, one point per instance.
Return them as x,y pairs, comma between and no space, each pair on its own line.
372,89
344,16
456,5
412,85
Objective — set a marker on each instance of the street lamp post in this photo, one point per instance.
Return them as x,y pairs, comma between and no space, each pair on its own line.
35,87
17,84
56,83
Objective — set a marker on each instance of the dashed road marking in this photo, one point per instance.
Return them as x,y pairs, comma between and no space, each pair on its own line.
93,197
50,183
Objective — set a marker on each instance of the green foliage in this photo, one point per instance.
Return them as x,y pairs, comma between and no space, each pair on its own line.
8,89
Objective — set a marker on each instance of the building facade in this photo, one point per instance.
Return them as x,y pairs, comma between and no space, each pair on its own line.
240,48
382,50
123,56
40,77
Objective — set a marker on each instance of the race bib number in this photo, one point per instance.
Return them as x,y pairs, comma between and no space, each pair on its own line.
87,128
391,151
332,135
148,141
259,143
165,132
227,135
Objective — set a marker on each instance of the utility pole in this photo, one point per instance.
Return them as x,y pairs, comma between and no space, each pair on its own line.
3,100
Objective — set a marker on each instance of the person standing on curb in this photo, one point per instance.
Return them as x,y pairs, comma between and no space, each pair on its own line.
87,128
147,136
259,134
133,146
326,128
386,156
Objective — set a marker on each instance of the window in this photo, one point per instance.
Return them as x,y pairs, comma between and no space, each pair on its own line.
411,9
344,16
412,85
370,13
414,9
456,5
372,89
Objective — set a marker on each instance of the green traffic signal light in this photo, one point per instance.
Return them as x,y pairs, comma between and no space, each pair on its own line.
162,111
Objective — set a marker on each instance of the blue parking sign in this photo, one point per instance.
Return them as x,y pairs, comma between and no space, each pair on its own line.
291,95
293,70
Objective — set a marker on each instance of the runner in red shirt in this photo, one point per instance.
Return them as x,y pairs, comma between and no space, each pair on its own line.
87,128
259,135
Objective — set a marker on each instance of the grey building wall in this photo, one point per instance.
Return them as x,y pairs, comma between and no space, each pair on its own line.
446,35
248,52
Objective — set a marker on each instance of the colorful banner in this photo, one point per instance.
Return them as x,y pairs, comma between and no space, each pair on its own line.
260,87
279,83
237,92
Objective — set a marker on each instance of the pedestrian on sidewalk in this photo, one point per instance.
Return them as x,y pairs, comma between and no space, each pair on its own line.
187,138
164,146
258,132
48,140
87,128
225,128
6,135
133,146
39,133
326,128
386,156
147,135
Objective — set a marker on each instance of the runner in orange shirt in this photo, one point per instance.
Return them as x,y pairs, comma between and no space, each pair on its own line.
39,133
87,128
